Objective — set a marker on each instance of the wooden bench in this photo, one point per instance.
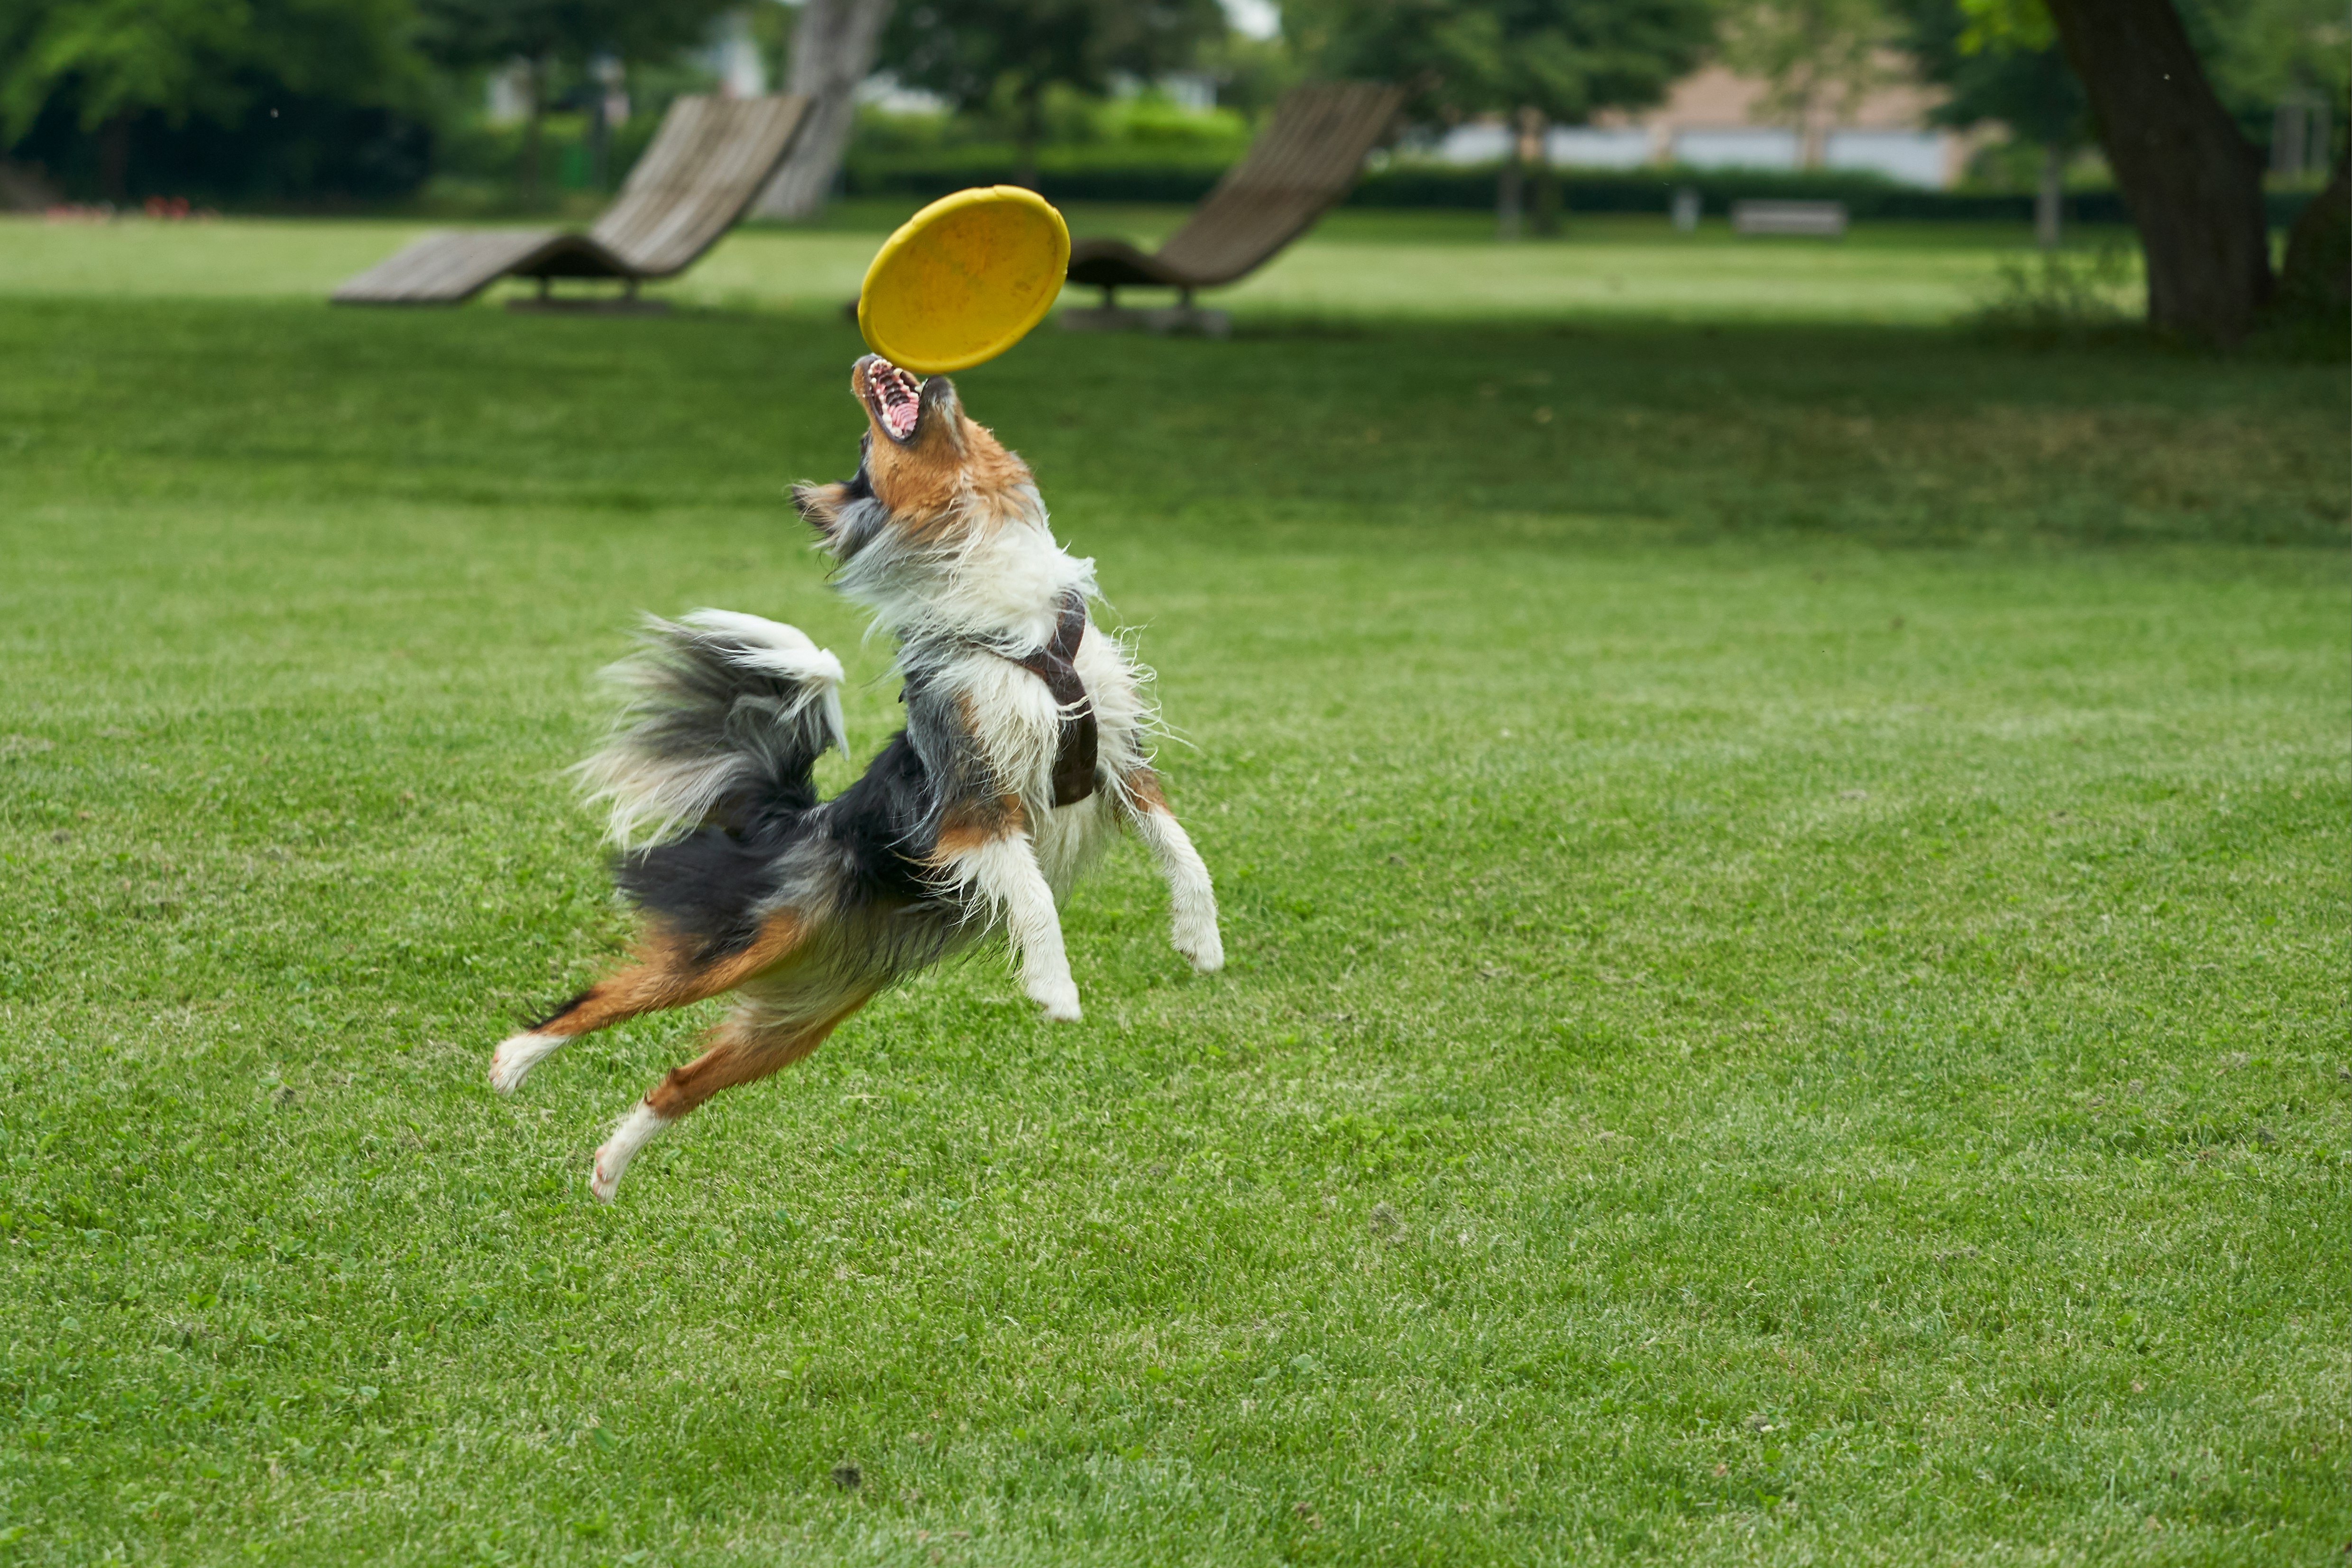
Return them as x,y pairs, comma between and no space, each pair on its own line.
1306,160
1821,220
706,165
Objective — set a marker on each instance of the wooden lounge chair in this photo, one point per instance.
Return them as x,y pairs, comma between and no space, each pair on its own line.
1305,162
706,164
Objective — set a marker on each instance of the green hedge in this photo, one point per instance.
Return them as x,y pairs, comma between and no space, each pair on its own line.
1092,174
1095,174
1867,196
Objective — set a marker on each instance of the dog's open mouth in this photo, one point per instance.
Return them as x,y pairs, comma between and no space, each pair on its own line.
894,396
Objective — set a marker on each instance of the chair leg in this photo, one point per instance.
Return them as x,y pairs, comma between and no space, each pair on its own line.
1181,317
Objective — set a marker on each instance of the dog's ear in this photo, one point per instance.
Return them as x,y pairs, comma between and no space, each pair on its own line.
820,505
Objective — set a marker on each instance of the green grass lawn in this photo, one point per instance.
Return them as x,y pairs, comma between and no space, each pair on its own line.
1785,887
1357,265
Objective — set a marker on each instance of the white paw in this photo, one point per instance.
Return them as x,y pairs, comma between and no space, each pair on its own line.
637,1129
514,1059
1202,946
1058,998
605,1180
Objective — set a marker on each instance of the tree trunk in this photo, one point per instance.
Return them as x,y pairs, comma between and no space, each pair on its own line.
2317,277
1543,191
1511,196
114,159
2193,183
1544,203
1029,132
600,140
1812,130
834,45
534,76
2049,197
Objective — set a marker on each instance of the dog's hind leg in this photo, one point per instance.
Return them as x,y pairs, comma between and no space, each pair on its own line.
1192,900
749,1045
669,974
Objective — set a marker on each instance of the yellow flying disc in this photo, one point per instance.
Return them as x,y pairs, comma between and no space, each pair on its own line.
964,279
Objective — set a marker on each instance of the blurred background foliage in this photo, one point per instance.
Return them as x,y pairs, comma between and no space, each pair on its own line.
490,106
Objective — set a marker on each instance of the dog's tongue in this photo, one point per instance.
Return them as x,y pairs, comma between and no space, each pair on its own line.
901,396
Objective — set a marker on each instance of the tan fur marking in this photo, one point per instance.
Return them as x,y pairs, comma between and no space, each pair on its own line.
820,505
666,976
967,824
741,1053
953,477
990,465
918,484
1142,787
948,481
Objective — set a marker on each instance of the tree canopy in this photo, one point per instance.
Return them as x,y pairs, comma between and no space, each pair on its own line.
261,96
543,33
1567,59
2000,62
491,32
104,60
1005,55
1818,58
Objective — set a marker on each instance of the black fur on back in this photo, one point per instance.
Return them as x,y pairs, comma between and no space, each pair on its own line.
881,823
860,849
766,843
710,885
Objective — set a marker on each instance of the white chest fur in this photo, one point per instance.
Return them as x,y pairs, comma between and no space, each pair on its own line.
1018,726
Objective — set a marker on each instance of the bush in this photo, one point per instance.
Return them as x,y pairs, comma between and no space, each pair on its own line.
286,150
1130,171
2060,297
1104,172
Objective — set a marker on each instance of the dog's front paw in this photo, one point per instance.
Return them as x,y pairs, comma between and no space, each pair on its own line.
1058,998
1202,945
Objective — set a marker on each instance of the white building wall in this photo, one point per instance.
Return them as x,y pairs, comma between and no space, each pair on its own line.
1913,157
1474,144
1715,119
1591,146
883,91
1745,149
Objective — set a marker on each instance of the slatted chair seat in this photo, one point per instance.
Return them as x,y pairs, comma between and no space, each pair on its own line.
1306,160
706,164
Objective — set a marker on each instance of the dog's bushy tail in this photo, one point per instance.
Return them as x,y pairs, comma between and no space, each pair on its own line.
726,716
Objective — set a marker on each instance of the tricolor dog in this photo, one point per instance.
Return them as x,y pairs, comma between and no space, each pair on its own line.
1025,751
